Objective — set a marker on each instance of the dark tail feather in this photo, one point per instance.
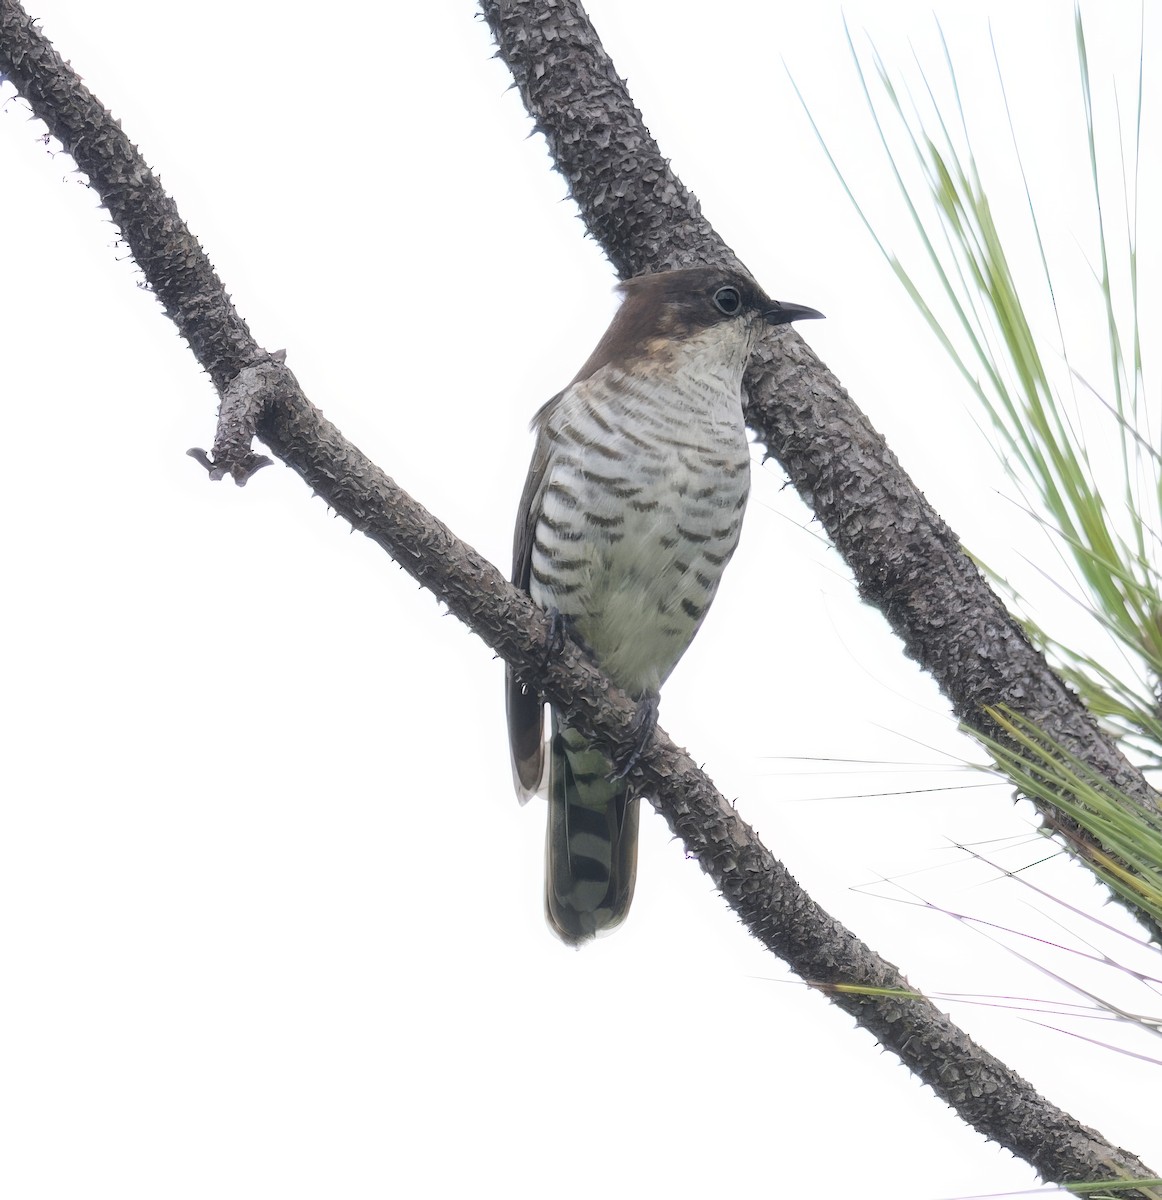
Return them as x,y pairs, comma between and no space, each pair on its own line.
592,841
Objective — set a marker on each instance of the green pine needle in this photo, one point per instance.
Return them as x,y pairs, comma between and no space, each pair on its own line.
1104,510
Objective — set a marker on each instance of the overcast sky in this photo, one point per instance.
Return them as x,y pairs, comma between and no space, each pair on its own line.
269,912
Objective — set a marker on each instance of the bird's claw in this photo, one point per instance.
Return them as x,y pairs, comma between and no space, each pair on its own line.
556,637
645,721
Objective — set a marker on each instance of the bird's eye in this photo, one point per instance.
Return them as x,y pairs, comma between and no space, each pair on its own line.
727,300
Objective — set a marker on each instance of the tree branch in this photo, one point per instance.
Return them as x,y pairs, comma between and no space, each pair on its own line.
905,559
984,1092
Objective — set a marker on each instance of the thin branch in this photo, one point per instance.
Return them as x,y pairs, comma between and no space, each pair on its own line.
984,1092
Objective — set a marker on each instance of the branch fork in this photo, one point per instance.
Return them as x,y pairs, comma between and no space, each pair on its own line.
245,401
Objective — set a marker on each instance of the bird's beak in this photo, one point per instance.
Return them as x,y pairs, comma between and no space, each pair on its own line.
784,314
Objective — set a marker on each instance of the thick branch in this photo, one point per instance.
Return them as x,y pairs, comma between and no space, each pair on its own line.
905,559
172,261
987,1094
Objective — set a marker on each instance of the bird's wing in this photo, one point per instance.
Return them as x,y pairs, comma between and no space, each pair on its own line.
525,708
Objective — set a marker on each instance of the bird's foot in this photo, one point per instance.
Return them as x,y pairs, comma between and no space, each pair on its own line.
556,637
645,721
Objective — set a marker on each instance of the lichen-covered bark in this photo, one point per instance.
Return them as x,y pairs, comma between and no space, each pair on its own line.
986,1093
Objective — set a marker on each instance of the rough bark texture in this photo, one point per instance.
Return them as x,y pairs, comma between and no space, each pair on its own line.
906,560
173,262
984,1092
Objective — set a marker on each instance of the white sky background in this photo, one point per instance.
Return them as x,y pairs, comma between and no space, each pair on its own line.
270,917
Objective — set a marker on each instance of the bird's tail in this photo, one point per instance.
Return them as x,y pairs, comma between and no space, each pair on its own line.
591,856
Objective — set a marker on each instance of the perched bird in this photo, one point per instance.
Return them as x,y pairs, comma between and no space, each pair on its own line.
632,507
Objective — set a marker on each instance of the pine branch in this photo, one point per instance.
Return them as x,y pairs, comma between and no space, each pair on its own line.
906,560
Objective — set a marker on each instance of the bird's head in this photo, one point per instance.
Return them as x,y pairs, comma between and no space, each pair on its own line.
662,311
